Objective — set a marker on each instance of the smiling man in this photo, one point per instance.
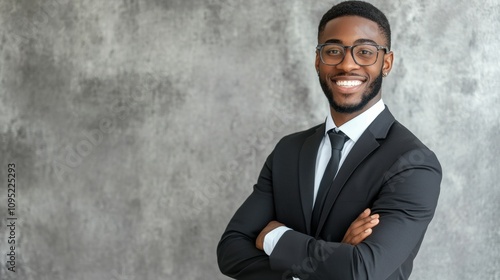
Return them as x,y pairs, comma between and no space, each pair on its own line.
352,197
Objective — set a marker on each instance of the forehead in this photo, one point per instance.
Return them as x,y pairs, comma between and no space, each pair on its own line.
349,29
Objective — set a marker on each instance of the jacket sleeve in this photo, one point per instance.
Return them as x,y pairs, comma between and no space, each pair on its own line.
406,204
237,255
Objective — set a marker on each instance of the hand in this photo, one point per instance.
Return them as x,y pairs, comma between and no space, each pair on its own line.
259,242
361,228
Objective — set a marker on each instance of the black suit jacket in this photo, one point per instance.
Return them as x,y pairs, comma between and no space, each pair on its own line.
388,170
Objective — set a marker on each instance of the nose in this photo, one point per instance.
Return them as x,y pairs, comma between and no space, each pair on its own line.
348,64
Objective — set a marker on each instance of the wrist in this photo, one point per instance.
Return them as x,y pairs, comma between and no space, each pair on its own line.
272,238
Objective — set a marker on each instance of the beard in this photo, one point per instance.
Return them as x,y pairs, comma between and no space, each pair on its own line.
370,93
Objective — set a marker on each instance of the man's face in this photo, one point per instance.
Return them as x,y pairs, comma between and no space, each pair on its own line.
351,88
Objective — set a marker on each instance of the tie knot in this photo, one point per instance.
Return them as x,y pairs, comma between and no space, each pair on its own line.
337,139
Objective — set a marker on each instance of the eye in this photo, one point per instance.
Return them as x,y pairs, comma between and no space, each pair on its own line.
365,52
333,51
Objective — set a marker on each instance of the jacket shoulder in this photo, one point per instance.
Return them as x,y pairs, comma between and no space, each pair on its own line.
400,136
299,137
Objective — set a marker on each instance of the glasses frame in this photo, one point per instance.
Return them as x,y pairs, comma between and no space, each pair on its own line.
379,47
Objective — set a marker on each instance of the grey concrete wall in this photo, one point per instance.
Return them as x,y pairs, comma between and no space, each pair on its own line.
138,127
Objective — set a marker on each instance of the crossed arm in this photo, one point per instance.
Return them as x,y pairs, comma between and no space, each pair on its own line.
360,229
259,268
405,203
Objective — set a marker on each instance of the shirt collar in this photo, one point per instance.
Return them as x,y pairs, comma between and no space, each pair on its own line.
355,127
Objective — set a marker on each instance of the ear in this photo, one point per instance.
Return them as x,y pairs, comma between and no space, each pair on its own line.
388,59
317,62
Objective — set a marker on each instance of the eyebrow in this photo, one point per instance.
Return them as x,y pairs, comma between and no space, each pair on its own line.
359,41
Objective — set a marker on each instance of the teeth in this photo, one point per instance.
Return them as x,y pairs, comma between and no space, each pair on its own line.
348,83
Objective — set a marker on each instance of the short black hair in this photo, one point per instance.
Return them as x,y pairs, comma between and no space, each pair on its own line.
358,8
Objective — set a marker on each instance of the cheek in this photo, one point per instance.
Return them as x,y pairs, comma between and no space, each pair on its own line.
375,70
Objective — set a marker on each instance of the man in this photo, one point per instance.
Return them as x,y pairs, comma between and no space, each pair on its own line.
303,218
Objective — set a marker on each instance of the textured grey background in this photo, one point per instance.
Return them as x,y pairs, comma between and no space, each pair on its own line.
138,127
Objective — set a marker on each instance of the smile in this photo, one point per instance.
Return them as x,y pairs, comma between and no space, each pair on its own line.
348,83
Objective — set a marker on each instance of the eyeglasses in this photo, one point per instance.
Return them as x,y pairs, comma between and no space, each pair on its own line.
363,54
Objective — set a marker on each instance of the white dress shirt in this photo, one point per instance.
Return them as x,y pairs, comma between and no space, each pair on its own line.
353,129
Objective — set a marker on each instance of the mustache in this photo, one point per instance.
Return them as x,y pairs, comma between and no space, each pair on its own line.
345,74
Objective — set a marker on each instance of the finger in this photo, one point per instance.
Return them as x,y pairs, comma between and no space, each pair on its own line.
360,222
357,225
367,223
356,231
365,213
360,237
363,217
357,236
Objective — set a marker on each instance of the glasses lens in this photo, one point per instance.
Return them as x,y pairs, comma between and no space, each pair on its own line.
332,54
365,54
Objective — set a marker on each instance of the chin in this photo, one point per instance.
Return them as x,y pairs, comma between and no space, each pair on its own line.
351,102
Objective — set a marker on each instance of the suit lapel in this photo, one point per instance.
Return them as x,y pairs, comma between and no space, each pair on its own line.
365,145
307,168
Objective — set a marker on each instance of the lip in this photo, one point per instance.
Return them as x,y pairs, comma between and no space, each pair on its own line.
348,90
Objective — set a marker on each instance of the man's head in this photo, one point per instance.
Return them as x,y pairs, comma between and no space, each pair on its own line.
360,9
351,78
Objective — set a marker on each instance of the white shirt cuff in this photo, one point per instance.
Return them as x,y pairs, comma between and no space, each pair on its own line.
272,238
